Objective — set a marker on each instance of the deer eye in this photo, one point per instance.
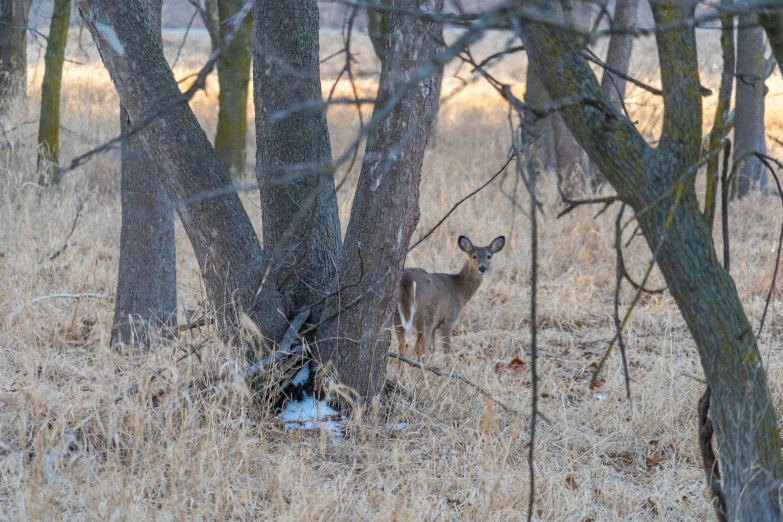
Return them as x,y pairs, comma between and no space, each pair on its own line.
475,256
489,256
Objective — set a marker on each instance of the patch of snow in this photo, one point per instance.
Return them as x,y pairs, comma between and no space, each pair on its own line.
108,34
598,397
400,426
301,377
310,414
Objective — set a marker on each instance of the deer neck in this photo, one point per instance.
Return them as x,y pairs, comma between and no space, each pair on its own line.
468,282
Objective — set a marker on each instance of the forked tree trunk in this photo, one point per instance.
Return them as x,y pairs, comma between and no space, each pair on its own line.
749,112
385,209
223,239
293,153
13,52
646,178
146,293
49,126
234,77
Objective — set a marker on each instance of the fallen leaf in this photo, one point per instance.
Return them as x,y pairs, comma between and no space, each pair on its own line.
2,255
516,365
653,442
598,383
571,482
652,460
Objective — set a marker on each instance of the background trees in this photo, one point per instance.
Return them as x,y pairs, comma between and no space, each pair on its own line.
49,126
13,51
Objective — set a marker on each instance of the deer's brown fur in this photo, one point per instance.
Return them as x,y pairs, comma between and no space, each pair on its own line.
429,302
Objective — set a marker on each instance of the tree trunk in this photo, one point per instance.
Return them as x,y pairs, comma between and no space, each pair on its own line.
49,128
385,209
146,293
749,112
218,227
210,15
13,52
618,56
646,178
234,77
378,27
543,146
300,216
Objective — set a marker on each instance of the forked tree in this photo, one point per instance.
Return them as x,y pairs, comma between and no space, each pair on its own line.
241,278
658,183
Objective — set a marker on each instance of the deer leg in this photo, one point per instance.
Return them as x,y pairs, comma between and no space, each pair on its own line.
445,332
402,343
422,341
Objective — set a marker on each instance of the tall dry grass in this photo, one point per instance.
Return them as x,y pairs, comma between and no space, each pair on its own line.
74,444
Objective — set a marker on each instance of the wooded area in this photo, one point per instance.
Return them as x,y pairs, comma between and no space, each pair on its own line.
293,247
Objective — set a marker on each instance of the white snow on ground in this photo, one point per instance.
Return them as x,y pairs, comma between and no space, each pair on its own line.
301,377
310,414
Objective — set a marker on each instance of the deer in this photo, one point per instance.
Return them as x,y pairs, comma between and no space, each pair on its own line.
428,302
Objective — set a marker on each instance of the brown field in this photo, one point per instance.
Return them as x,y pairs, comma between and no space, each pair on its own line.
74,445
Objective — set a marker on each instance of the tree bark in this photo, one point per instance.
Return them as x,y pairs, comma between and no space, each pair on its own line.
49,126
385,209
234,76
646,178
749,112
146,293
226,246
618,56
210,15
301,225
13,52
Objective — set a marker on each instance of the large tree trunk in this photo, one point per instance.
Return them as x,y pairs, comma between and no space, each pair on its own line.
749,112
646,178
49,127
226,246
234,77
385,209
618,57
146,293
378,27
13,51
300,216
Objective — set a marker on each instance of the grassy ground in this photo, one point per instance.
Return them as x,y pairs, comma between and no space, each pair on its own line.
75,445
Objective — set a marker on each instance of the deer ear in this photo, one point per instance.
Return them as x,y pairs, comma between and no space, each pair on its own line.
464,244
497,244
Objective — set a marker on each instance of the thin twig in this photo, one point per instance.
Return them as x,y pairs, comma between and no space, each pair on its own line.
452,375
460,202
765,160
619,273
56,253
68,296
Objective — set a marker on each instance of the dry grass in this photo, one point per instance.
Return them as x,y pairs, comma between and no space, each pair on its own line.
74,445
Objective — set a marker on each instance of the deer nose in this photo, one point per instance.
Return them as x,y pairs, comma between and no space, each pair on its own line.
482,268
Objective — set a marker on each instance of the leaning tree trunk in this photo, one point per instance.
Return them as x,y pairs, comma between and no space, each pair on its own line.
146,293
749,112
49,127
385,209
656,179
378,27
234,77
226,246
293,153
13,51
